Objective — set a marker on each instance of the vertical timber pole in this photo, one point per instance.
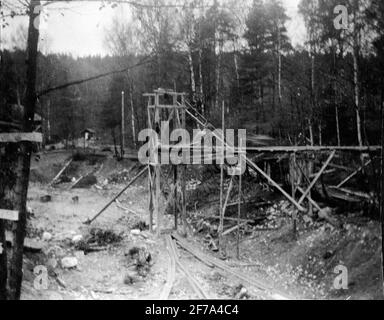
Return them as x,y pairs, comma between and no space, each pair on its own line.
174,167
150,171
382,194
221,225
122,124
24,157
239,204
157,170
184,172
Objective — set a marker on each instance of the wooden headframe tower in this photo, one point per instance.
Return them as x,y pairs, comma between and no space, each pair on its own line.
165,107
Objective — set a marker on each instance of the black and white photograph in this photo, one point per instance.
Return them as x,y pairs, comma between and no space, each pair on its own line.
195,156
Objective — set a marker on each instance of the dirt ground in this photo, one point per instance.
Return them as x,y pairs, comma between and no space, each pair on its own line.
301,268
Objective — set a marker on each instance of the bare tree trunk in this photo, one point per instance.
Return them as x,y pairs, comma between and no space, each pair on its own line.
218,77
201,85
24,159
355,53
357,97
192,73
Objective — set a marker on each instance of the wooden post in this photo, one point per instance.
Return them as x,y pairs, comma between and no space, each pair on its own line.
122,124
239,210
132,117
24,157
293,186
157,197
150,201
175,195
184,174
317,177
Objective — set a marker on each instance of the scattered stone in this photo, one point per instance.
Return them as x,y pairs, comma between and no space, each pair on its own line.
47,236
135,232
69,262
76,239
79,254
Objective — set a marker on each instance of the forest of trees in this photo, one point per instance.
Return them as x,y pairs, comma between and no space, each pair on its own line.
328,91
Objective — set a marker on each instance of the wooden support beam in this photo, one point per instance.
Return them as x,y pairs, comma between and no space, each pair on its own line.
15,137
273,183
133,180
255,167
10,215
314,181
222,213
298,149
239,213
353,174
310,199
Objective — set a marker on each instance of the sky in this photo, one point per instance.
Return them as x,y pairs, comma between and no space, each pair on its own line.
80,30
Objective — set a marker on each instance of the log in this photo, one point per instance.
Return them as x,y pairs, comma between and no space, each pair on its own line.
16,137
228,231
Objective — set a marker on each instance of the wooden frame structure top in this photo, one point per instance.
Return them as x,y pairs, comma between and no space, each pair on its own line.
298,149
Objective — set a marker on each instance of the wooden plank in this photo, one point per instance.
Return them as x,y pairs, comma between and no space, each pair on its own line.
15,137
164,106
353,174
10,215
314,181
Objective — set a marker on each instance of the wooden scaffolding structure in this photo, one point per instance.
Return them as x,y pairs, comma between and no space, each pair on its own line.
165,106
